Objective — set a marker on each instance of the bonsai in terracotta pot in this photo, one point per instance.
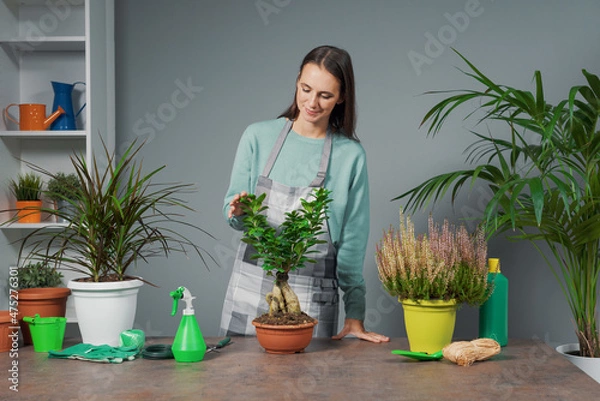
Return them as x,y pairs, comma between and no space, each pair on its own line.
40,291
120,217
282,250
63,190
27,189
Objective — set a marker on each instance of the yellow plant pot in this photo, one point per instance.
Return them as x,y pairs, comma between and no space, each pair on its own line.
429,324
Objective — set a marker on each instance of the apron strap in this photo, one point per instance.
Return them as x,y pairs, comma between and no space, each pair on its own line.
276,148
320,178
323,165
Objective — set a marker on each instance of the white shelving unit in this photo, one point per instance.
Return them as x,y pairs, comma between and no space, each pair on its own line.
43,41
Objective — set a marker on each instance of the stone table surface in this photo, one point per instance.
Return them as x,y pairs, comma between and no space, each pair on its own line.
349,369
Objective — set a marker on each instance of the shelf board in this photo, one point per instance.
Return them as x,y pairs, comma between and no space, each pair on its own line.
47,43
43,134
32,226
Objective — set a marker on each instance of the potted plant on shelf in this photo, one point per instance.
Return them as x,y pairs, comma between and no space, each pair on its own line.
63,190
40,291
285,328
27,189
120,217
544,174
432,275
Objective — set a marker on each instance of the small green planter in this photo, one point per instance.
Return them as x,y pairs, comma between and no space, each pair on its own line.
47,333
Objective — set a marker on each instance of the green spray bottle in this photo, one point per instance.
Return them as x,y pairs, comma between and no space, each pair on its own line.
188,345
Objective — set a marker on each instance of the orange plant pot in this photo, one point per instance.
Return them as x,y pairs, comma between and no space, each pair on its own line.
7,329
47,302
280,339
29,211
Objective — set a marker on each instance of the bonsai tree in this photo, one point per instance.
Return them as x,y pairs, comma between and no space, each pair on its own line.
285,248
27,187
121,217
38,275
544,174
63,187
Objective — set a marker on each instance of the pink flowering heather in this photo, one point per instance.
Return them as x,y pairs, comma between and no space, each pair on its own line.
447,263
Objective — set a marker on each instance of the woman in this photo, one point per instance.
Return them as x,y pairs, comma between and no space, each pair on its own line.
311,144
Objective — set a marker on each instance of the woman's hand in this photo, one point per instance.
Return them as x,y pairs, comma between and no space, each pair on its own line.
357,328
235,207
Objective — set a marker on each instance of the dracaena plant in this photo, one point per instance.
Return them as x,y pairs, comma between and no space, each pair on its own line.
121,216
541,162
285,248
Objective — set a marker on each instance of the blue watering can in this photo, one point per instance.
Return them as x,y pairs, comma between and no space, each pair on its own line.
63,97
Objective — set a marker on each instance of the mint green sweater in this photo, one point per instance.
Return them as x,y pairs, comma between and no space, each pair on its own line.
297,165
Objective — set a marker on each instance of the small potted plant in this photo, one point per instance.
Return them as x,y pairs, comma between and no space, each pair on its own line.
41,291
27,189
63,189
282,250
433,274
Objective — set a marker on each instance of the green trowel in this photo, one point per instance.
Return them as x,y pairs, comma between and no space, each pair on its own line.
421,356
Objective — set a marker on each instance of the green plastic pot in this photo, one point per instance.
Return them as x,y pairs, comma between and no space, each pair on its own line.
47,333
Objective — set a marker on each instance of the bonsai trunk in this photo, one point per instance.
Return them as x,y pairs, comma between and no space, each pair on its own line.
283,298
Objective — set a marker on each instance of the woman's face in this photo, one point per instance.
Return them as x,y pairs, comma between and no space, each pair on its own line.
317,93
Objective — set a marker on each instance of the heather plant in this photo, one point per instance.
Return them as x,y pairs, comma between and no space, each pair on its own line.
447,263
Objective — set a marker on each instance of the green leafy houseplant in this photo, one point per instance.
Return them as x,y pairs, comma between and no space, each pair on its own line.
27,187
38,275
121,217
63,187
544,174
286,248
446,264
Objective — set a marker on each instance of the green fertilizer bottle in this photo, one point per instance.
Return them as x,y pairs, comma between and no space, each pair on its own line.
188,345
493,314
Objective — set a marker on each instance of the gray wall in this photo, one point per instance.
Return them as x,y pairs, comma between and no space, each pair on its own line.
241,66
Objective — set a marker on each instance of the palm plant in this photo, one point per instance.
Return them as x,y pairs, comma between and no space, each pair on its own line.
120,217
544,175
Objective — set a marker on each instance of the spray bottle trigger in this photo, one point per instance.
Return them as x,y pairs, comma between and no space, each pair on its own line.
176,295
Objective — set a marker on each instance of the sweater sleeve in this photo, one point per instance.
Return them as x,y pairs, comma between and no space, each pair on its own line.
241,177
352,243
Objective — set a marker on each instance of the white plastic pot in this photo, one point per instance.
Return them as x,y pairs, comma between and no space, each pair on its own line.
104,310
591,366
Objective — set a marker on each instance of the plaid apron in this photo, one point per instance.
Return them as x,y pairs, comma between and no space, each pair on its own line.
315,284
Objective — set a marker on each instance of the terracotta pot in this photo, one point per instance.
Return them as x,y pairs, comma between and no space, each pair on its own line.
7,330
278,339
47,302
29,211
